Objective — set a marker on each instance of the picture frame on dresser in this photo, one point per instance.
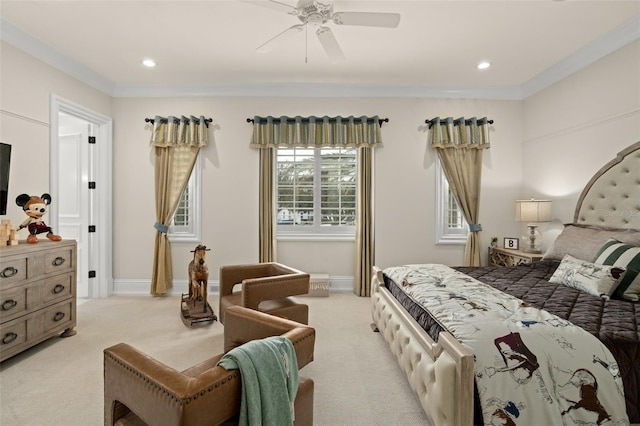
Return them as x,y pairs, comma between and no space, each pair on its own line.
511,243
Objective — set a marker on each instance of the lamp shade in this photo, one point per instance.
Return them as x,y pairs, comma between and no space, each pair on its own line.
533,210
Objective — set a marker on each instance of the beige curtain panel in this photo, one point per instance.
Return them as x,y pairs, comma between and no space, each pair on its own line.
365,248
267,206
310,132
176,143
459,144
317,132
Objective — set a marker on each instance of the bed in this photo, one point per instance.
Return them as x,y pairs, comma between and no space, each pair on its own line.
441,370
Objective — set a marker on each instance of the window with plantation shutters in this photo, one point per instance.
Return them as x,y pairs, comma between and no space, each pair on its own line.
455,219
451,227
316,191
186,223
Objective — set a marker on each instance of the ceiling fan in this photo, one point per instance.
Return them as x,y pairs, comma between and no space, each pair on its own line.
315,14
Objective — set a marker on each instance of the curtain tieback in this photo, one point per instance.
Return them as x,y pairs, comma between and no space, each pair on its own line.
475,227
161,228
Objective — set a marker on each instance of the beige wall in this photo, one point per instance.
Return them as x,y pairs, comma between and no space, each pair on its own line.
404,181
548,145
26,85
584,121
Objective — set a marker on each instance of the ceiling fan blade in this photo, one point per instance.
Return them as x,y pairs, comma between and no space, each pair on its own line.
273,5
330,44
280,38
367,19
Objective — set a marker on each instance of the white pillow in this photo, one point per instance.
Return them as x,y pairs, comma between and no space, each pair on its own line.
599,280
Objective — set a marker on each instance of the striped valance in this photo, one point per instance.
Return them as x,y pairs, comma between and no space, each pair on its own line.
169,131
304,132
459,133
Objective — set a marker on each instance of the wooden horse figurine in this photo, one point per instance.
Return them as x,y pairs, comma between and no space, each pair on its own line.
198,276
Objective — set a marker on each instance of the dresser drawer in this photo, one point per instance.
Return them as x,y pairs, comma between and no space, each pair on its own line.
58,260
58,287
57,316
13,302
12,334
12,270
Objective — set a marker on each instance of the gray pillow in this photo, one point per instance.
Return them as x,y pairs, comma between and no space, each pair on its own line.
584,241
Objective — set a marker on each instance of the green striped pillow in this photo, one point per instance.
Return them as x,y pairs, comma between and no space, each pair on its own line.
613,252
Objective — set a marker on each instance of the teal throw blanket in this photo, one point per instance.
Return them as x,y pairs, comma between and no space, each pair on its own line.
269,371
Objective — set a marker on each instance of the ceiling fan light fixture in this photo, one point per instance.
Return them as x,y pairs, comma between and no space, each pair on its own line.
483,65
316,14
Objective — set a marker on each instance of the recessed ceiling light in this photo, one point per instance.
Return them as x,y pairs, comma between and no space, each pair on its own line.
149,63
483,65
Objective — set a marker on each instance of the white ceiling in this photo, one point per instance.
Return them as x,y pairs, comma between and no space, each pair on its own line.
208,47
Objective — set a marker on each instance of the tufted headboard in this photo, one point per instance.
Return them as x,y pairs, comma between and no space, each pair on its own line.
612,196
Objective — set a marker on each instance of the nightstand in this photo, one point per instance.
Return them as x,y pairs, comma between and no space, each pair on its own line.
507,257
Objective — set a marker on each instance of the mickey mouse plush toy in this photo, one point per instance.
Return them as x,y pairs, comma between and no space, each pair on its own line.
35,207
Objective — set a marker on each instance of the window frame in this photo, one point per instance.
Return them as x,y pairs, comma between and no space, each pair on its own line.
444,234
315,232
191,233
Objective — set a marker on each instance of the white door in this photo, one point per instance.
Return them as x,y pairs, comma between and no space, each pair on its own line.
74,175
75,163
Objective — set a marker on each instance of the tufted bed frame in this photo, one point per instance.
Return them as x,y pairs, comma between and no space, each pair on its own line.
441,373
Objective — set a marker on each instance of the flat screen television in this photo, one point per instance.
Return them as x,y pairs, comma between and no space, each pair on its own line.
5,162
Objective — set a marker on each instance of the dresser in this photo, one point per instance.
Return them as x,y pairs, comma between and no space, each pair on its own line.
37,294
508,257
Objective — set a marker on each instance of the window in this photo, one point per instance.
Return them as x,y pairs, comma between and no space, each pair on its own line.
185,226
451,228
316,193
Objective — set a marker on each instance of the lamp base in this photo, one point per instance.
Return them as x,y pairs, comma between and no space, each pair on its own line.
532,240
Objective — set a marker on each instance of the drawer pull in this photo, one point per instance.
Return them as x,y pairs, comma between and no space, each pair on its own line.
8,272
58,261
9,304
58,288
58,316
8,338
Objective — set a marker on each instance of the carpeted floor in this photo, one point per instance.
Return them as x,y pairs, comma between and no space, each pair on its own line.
60,383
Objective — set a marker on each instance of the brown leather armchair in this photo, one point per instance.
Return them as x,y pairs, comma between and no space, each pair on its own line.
266,287
139,390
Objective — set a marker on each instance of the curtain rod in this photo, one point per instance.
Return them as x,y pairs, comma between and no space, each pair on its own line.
457,121
177,121
331,120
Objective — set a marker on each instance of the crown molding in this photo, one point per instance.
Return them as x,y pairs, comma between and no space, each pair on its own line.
614,40
24,41
598,49
316,90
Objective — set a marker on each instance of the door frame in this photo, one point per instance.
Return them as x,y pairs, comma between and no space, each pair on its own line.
103,199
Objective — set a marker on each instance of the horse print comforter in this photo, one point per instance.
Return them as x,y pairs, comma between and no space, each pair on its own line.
531,367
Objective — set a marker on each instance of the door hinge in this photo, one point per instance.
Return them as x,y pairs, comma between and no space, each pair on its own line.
92,228
92,274
92,185
92,139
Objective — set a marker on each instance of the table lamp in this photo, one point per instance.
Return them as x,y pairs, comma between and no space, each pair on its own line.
533,211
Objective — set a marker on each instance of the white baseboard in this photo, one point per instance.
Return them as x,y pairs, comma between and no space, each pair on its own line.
136,287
